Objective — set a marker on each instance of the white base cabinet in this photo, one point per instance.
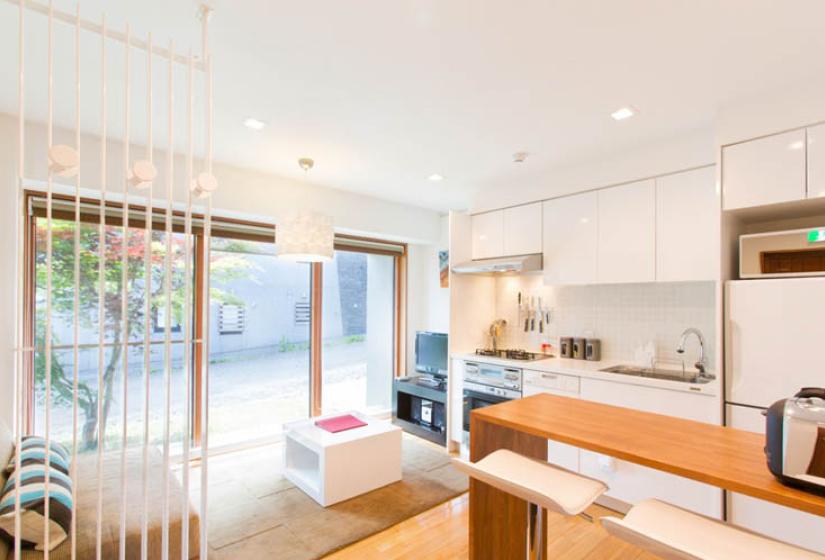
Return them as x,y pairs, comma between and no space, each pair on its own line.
779,522
632,483
535,382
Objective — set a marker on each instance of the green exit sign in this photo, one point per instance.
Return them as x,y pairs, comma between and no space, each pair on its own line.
816,235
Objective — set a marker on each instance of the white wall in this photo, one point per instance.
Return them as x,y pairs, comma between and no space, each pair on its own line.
428,304
472,297
686,151
8,261
241,193
623,316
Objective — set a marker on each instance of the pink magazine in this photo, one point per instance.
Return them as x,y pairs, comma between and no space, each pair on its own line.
340,423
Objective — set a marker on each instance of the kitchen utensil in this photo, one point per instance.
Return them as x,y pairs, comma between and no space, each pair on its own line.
578,348
566,347
526,316
593,349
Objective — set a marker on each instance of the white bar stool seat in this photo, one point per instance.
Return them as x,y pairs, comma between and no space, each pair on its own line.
677,534
542,485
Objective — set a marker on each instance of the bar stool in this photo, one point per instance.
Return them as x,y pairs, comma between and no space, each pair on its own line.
676,534
540,484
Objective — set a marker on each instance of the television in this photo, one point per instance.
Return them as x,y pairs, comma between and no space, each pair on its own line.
431,353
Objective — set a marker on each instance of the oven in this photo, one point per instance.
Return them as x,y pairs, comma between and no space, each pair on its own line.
486,385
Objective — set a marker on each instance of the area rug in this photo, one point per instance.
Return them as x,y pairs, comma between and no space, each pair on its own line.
256,513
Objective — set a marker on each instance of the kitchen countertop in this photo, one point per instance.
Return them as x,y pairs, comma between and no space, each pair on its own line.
588,369
720,456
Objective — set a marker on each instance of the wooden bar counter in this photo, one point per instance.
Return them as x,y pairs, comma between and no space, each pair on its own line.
724,457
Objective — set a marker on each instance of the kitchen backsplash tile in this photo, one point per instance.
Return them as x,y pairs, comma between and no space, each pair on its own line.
623,316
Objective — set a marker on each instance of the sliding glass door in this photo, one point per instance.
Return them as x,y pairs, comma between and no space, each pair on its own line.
286,340
259,360
358,332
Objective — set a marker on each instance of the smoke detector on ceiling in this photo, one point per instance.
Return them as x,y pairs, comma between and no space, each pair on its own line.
520,157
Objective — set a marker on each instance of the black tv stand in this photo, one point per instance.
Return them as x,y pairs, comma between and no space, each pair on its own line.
420,409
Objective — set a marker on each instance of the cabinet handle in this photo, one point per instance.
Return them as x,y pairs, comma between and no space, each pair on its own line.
549,376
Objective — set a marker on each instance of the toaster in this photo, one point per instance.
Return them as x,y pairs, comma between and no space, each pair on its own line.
795,440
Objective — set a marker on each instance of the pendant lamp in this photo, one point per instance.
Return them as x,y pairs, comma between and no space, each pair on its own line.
306,236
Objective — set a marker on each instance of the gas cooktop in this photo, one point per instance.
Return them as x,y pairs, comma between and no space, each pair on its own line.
511,354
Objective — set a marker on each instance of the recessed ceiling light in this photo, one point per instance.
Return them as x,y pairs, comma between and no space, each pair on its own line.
254,124
436,177
623,113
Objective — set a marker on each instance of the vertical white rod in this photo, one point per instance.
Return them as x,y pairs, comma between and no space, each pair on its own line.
20,388
167,288
76,297
48,340
187,325
147,323
101,312
204,544
124,281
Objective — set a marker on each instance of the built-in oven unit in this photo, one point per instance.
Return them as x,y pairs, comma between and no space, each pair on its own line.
486,385
778,254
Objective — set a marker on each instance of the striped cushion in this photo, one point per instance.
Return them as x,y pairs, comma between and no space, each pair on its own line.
30,442
37,455
34,449
32,506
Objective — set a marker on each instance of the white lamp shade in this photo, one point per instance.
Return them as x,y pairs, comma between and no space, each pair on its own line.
307,237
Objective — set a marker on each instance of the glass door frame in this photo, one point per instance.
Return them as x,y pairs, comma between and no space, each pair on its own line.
350,243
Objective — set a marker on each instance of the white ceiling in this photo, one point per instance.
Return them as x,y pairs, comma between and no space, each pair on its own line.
384,93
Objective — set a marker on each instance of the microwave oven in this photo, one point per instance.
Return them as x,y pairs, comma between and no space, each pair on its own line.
780,254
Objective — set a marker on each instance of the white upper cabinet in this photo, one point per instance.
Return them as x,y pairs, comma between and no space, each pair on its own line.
512,231
816,161
627,233
488,234
570,239
522,229
687,226
764,171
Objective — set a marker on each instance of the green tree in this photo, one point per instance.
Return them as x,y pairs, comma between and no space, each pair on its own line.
62,301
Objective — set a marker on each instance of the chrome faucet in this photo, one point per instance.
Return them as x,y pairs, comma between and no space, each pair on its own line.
702,363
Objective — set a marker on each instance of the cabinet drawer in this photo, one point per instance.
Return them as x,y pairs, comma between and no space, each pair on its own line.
553,381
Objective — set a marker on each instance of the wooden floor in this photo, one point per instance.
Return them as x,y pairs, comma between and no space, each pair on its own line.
441,533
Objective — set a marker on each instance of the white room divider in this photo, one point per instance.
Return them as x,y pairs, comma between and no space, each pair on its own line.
64,162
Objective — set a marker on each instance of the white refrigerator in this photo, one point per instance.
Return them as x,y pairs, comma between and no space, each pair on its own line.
774,346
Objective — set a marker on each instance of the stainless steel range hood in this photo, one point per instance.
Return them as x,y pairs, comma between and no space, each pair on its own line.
520,264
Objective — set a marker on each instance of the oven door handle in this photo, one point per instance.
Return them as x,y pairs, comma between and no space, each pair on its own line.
495,399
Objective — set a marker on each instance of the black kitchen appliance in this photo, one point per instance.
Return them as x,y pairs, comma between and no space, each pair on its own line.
488,384
795,440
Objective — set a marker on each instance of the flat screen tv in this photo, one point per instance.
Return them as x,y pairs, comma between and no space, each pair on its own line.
431,353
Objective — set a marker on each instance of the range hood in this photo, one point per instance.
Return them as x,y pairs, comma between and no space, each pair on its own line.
519,264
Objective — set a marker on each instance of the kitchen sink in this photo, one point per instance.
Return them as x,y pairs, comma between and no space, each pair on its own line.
655,373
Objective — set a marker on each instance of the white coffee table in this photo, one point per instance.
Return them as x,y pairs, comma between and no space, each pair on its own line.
331,467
